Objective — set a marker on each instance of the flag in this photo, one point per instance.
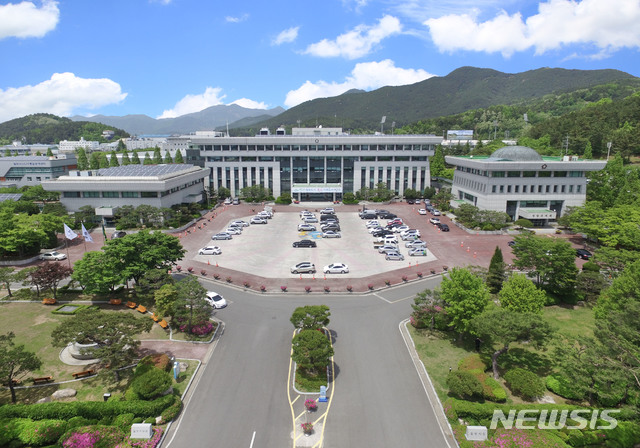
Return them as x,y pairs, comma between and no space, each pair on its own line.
70,234
85,234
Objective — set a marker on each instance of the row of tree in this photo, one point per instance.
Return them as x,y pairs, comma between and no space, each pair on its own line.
101,159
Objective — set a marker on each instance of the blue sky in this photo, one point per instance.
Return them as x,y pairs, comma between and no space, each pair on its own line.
166,58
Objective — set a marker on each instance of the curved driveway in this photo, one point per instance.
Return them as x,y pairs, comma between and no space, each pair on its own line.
240,398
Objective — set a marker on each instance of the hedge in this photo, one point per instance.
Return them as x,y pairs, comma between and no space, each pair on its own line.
151,384
561,386
87,409
524,383
464,384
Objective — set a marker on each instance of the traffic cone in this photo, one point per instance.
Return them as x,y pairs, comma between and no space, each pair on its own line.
461,243
208,262
468,248
475,254
216,264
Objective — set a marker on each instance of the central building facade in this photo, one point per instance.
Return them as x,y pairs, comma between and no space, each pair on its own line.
314,164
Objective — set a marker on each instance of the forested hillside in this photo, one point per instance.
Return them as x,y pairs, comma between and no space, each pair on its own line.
50,129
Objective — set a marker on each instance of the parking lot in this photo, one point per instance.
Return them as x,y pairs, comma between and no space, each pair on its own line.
267,249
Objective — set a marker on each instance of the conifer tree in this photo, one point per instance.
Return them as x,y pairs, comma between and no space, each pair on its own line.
178,158
496,274
81,156
157,157
113,160
135,159
167,158
147,160
125,158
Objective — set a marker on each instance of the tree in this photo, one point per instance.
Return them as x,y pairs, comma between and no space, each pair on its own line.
464,384
125,158
311,350
140,252
442,198
588,151
135,159
81,156
151,281
428,311
157,157
496,274
167,158
410,193
22,234
147,160
311,317
499,328
465,297
178,157
589,284
437,164
223,192
97,272
14,362
49,276
520,295
114,333
165,299
7,275
191,306
113,159
103,162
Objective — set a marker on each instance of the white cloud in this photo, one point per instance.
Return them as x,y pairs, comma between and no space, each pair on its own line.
287,36
60,95
212,96
358,42
607,25
232,19
250,104
365,76
25,19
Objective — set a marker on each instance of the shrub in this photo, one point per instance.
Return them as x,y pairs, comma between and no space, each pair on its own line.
498,394
464,384
172,411
42,432
307,288
591,266
92,436
123,421
151,384
560,385
524,383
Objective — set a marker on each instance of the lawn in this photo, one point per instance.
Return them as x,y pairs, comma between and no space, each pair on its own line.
571,322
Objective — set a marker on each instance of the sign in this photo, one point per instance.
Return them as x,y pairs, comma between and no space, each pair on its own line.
316,188
176,370
460,134
323,394
478,433
141,431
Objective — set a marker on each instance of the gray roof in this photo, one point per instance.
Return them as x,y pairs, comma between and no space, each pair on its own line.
143,170
516,154
10,196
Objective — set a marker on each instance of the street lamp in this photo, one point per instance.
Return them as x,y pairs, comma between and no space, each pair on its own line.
608,149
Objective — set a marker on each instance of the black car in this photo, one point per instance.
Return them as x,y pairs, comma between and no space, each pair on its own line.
118,234
304,243
382,233
387,215
328,218
584,254
443,227
410,201
368,216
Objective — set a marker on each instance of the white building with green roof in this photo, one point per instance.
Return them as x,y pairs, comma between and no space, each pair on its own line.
522,183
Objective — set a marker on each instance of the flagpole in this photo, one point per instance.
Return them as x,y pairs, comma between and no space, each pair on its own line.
67,247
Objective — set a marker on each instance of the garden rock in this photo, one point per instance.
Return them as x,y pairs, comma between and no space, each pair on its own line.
546,399
63,393
184,366
159,420
44,400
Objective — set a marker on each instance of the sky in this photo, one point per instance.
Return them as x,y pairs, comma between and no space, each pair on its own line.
166,58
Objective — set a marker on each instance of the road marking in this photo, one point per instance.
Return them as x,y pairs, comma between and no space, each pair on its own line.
253,438
393,301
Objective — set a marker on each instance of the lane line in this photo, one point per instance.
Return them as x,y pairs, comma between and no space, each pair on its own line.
253,438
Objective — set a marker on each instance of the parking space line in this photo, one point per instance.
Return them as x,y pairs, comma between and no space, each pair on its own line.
393,301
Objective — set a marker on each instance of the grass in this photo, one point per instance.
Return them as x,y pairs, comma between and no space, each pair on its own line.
307,382
570,322
181,383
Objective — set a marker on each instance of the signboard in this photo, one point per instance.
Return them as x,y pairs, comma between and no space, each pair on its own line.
476,433
316,188
460,135
141,431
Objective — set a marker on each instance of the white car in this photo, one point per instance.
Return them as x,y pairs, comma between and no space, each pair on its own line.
375,229
394,256
422,211
210,250
415,244
304,213
434,221
331,234
410,231
53,256
222,236
258,220
234,230
239,223
310,218
265,214
388,248
373,223
215,300
306,228
387,239
436,212
328,211
336,268
400,229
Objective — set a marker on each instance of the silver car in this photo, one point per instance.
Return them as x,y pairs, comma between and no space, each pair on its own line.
331,234
388,248
304,267
394,256
210,250
258,220
418,252
53,256
234,230
222,236
239,223
415,244
306,228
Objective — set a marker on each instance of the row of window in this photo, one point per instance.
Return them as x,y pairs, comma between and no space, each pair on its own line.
536,189
390,147
520,173
320,159
112,194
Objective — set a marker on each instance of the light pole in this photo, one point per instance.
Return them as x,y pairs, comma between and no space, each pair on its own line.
608,150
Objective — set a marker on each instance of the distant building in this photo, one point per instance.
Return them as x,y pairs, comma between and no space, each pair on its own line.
20,171
108,134
108,189
20,149
71,146
145,143
522,183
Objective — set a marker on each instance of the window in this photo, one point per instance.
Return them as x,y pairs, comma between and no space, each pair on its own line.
497,174
548,188
555,188
71,194
570,188
517,188
513,173
501,188
578,188
149,194
528,174
90,194
560,174
493,189
524,188
110,194
562,189
508,188
576,173
130,194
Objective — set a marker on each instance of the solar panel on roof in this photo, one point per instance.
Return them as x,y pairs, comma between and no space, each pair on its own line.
10,196
142,170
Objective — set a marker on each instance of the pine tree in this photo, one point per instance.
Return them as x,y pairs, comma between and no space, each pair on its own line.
125,159
147,160
178,158
157,157
49,152
588,151
437,162
81,156
94,162
113,160
167,158
496,274
135,159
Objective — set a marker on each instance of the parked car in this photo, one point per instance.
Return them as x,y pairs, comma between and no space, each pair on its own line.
388,248
397,256
373,230
118,234
583,254
372,223
258,220
306,228
436,212
410,201
53,255
422,211
382,232
329,218
401,228
336,268
309,219
215,300
409,232
409,237
328,211
396,221
387,239
222,236
265,214
434,221
234,230
304,213
210,250
368,216
387,215
331,226
331,234
304,243
418,252
444,227
239,223
415,244
304,267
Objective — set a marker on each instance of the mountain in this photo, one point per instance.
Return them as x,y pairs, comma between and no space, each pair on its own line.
461,90
207,119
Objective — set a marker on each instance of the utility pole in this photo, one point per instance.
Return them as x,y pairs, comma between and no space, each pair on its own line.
608,150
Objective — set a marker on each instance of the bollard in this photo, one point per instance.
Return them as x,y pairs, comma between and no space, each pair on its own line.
467,248
474,254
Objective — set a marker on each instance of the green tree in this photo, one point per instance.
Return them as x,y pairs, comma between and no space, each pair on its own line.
81,156
151,281
437,164
140,252
588,151
223,192
443,198
465,297
113,159
97,272
7,276
191,305
103,162
116,336
125,158
410,193
135,159
94,161
464,385
520,295
589,284
496,274
311,350
428,311
22,234
311,317
178,157
157,157
167,158
499,328
165,299
15,361
49,276
147,160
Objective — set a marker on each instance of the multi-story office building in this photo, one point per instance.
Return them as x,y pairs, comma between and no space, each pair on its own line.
519,181
72,145
21,171
313,164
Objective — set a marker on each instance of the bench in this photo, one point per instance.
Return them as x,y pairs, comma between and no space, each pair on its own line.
44,379
155,317
131,305
163,323
49,301
83,374
142,309
115,301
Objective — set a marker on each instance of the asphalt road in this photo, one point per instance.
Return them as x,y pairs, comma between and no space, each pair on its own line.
378,400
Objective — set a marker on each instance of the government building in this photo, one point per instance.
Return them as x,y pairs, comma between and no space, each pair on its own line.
522,183
313,164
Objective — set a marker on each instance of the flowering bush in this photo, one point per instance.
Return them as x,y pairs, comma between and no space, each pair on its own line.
307,288
92,436
433,271
349,288
283,288
202,329
141,443
190,269
370,286
405,278
307,427
41,432
203,272
216,276
263,288
419,274
387,282
327,289
228,279
310,404
246,284
178,268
